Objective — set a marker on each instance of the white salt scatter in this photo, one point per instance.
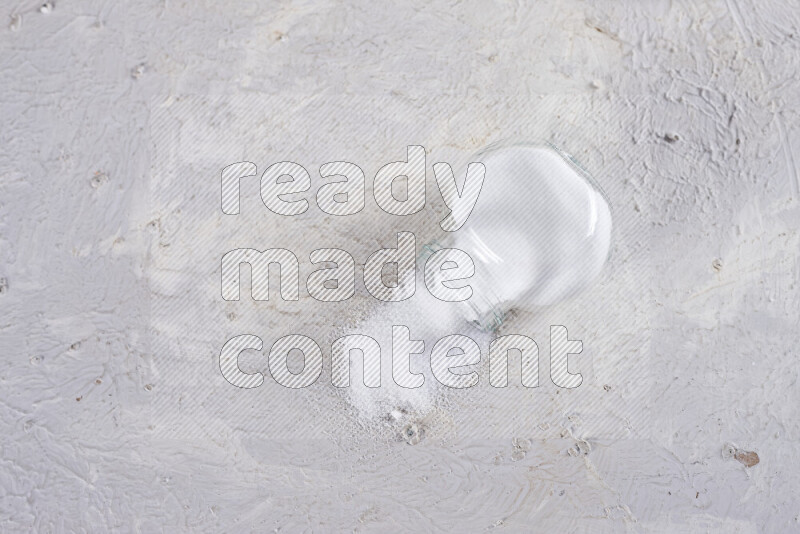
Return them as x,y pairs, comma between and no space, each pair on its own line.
429,320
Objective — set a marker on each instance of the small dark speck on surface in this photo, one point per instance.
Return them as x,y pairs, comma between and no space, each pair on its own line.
412,434
15,23
747,458
99,179
138,71
671,138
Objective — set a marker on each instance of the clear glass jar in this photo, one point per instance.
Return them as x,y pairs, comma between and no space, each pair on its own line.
540,231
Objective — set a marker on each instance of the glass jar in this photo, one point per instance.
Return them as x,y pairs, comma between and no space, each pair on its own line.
539,233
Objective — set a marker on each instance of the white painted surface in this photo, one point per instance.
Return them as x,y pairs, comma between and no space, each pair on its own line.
686,114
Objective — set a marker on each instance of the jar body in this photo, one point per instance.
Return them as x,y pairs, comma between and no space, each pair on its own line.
539,233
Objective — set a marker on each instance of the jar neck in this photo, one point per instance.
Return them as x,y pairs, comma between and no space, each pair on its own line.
484,309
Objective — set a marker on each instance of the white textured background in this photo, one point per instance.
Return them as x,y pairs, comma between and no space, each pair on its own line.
685,111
